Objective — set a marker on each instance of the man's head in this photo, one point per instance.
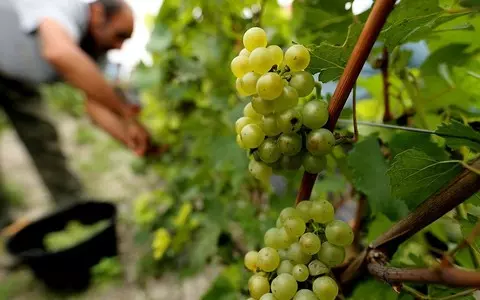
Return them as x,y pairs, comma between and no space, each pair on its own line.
111,23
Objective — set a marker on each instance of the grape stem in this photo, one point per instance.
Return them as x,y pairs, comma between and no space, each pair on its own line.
374,24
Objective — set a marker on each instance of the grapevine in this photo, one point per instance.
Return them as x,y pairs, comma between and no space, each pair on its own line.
281,126
299,253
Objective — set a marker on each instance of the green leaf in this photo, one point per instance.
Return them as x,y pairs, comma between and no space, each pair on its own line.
413,20
407,140
438,291
160,39
374,290
205,245
369,177
226,285
378,226
330,60
457,134
414,176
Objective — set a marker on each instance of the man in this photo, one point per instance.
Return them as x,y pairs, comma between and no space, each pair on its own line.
44,41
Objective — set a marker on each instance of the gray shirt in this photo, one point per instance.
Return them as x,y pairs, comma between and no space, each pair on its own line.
20,56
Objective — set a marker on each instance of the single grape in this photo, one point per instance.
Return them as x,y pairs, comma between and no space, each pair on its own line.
248,111
244,52
291,162
310,243
268,259
296,255
284,286
277,53
254,37
290,120
303,82
240,66
270,126
316,267
268,296
260,60
252,135
261,106
283,254
260,170
272,238
300,272
286,213
285,266
279,223
322,211
325,288
305,295
238,86
331,255
240,142
242,122
297,57
258,286
288,99
295,226
315,113
314,164
269,151
249,82
320,142
285,240
250,260
339,233
303,209
290,143
269,86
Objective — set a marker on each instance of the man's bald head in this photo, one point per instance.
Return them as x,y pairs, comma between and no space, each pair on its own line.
111,23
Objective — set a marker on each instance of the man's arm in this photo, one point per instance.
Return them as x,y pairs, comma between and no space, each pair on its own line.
76,67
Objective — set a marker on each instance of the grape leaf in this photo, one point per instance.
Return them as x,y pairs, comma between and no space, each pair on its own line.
376,290
413,20
414,176
438,291
369,177
330,60
326,21
457,134
226,284
378,226
205,245
407,140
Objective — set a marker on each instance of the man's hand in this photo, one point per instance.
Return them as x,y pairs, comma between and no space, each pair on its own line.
137,137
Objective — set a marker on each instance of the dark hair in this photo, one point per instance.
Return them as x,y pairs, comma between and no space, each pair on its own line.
111,6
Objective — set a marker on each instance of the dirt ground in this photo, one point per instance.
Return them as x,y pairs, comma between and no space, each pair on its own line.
105,170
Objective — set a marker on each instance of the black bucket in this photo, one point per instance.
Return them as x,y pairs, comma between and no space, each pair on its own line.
67,270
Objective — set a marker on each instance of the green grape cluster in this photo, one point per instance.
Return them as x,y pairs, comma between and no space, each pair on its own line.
298,254
279,131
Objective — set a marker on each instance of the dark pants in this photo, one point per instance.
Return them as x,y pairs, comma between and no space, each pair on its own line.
27,112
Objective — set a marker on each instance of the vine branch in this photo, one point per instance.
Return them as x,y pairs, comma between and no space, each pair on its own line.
374,24
449,276
462,187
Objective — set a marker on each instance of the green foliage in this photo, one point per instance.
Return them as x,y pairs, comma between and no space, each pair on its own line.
459,135
369,172
415,176
211,209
